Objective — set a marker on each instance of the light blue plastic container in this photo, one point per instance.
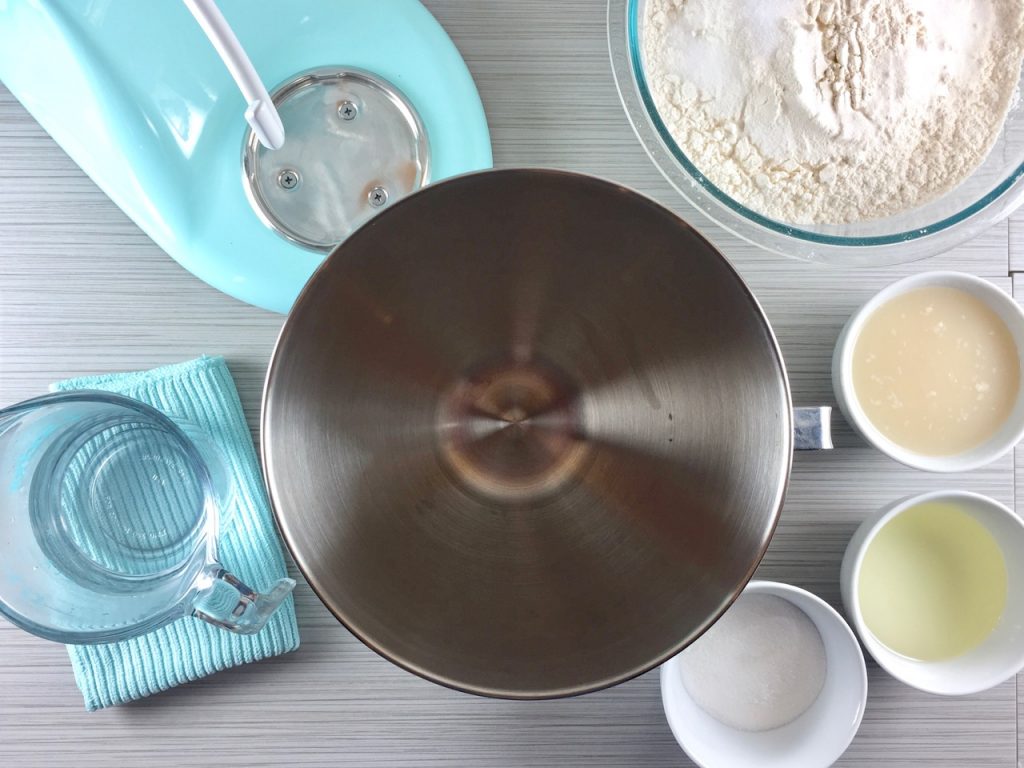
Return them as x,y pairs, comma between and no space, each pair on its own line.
136,95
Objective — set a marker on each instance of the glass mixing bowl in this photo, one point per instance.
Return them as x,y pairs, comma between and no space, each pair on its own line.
988,195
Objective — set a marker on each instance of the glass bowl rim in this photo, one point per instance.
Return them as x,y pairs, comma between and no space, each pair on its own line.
764,225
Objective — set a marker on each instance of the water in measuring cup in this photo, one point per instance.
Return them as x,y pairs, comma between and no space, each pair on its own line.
118,503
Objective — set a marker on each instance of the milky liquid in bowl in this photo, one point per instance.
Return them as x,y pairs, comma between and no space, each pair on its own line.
936,370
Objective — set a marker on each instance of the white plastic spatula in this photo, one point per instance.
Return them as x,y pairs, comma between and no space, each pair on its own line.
260,113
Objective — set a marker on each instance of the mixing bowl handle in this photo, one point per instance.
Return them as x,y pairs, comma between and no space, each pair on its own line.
812,428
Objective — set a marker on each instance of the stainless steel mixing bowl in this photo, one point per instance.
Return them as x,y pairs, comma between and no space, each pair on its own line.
527,433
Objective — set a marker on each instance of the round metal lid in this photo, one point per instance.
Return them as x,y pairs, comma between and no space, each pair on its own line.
353,145
526,433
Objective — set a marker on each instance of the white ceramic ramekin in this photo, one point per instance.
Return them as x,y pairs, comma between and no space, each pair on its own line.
842,374
816,739
1001,654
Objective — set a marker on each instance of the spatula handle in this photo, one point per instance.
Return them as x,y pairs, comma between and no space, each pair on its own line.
260,113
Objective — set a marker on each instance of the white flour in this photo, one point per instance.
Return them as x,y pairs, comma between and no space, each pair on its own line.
815,111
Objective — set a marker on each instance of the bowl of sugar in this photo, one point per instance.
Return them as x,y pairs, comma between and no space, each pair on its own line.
934,586
929,371
779,681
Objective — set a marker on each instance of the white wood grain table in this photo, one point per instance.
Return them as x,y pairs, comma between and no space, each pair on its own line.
82,290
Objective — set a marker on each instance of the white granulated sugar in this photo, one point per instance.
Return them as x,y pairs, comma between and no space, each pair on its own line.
759,667
834,111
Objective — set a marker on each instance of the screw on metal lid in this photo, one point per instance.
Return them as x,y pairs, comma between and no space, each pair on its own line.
288,178
347,110
354,145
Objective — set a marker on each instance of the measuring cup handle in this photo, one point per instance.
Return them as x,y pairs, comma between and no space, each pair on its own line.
229,604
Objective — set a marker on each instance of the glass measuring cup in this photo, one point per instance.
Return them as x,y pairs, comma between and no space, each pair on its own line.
109,515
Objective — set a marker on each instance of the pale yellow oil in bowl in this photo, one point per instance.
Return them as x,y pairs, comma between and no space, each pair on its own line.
932,583
936,370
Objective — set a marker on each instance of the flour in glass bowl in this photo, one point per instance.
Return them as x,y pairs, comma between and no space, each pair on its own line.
834,111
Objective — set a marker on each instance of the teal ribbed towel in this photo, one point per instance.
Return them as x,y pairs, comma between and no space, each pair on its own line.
202,392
